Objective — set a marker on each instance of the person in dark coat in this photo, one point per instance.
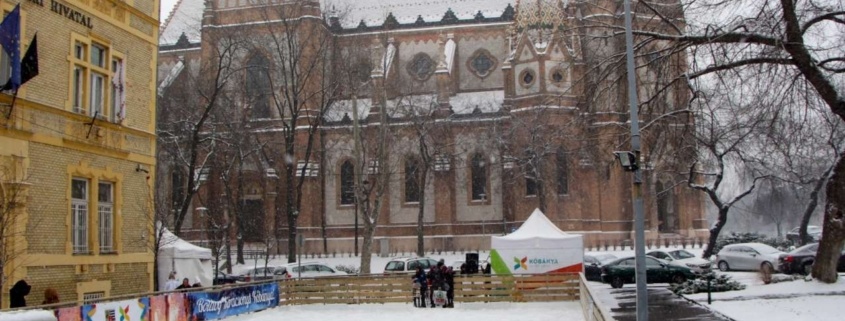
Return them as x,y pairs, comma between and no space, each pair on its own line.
450,287
18,293
186,284
421,281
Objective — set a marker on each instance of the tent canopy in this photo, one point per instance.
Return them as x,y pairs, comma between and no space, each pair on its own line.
537,232
174,247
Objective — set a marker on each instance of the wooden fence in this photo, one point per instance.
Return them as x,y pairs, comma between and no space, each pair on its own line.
398,288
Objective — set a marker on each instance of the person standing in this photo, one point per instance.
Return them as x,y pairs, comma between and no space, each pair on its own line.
449,276
421,282
171,284
186,284
18,293
51,296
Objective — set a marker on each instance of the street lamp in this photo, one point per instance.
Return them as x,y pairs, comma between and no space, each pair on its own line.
628,160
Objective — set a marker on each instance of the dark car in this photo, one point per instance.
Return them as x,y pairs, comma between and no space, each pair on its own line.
621,271
593,264
223,278
801,260
814,232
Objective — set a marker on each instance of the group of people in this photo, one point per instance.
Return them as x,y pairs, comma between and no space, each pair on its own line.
439,278
173,285
19,291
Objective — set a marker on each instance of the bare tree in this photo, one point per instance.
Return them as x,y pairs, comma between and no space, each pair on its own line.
184,128
14,195
787,40
300,91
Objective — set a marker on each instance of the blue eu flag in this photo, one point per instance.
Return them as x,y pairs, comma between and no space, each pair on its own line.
10,39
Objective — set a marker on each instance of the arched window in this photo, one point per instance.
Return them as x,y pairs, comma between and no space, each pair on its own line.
347,183
478,175
412,181
562,169
258,88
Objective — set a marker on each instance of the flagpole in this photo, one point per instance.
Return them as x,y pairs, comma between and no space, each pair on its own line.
12,106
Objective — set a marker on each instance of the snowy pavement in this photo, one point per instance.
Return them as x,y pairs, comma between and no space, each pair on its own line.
545,311
662,303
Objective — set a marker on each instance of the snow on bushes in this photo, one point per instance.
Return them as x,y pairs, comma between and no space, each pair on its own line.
718,283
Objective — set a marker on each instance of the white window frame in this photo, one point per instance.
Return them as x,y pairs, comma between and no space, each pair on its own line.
105,210
79,218
97,94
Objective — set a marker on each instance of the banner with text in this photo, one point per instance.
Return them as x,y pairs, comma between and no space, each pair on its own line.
229,302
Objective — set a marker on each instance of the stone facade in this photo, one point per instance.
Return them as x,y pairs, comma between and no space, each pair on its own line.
507,92
53,139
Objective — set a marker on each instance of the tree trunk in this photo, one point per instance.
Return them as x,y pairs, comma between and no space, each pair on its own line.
833,237
811,207
541,196
714,232
240,248
421,213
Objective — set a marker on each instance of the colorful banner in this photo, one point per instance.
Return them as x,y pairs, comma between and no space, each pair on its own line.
536,261
177,307
70,314
129,310
234,301
158,308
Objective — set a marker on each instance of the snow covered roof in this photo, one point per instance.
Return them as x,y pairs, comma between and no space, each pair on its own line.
374,12
538,226
186,17
462,104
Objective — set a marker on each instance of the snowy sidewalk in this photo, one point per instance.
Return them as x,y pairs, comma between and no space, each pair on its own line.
662,304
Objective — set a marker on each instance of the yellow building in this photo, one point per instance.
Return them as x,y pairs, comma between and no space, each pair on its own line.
77,150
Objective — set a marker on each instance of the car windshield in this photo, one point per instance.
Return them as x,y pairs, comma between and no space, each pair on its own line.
395,266
681,254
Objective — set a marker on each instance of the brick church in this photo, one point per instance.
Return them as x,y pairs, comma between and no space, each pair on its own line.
488,109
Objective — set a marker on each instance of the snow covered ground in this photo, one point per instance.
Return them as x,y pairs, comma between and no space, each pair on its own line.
544,311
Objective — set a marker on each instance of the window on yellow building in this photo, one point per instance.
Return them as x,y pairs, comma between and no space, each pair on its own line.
79,215
105,209
94,90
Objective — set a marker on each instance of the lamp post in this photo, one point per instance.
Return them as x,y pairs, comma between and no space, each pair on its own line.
631,158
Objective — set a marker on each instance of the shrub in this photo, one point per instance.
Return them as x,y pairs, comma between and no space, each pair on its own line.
349,269
735,238
719,283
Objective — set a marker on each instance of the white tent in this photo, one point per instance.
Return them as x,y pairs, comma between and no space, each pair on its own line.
188,260
538,246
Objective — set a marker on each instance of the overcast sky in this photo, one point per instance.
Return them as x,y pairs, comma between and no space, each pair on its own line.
166,6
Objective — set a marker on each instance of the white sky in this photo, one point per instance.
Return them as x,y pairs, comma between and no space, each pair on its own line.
166,6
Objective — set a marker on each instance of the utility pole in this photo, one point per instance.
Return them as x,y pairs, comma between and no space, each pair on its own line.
637,189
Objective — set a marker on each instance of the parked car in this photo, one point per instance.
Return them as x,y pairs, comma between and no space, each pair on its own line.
311,270
747,256
801,260
814,232
408,264
593,264
621,271
223,278
263,274
682,258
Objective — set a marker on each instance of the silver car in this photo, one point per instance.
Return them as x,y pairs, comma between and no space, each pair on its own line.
682,258
747,256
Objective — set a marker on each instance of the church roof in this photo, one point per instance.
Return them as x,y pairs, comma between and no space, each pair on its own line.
186,16
374,12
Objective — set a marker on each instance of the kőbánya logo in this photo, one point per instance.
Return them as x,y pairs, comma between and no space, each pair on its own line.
523,263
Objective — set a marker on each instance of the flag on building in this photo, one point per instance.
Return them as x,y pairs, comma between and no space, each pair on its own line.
119,84
10,39
29,63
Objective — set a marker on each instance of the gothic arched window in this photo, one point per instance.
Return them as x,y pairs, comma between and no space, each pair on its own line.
412,181
478,175
347,183
258,89
562,175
